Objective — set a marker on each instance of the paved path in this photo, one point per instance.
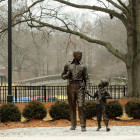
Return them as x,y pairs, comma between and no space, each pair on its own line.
64,131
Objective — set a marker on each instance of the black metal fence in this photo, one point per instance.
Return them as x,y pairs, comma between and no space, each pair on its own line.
52,93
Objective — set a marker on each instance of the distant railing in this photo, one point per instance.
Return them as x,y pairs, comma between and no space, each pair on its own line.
52,93
39,79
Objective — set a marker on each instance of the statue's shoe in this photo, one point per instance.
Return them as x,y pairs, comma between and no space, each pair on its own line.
72,128
107,129
98,128
83,128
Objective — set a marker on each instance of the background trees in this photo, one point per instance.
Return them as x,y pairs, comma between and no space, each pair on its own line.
118,14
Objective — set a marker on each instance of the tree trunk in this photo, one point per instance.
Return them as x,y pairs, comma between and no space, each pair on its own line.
138,23
133,43
133,80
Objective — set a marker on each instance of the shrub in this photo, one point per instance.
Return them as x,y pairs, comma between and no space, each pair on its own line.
9,112
114,109
60,110
132,109
34,110
90,108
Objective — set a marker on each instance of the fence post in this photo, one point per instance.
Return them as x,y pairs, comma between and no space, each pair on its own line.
44,93
124,90
15,94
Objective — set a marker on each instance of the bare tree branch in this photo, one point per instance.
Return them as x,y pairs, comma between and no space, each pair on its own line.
18,22
109,11
70,42
20,14
55,15
108,45
116,5
2,0
102,3
28,9
123,4
124,10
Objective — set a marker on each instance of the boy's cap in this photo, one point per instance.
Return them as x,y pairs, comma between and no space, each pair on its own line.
76,51
104,82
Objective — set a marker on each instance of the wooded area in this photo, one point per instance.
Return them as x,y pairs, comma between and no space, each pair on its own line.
41,50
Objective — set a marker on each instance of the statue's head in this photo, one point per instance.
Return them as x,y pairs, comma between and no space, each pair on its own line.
103,83
77,55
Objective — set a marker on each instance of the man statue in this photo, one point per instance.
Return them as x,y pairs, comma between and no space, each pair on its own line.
76,73
101,95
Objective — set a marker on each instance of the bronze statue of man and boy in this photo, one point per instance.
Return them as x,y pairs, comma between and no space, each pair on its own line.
76,73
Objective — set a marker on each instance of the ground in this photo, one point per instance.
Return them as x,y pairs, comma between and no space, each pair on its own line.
48,122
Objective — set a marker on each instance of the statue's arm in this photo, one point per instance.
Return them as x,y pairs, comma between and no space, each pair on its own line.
108,96
86,78
64,74
93,96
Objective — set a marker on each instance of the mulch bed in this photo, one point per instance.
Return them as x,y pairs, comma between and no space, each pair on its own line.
122,121
63,122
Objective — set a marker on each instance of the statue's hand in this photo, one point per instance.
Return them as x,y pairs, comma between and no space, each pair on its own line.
108,97
86,90
64,77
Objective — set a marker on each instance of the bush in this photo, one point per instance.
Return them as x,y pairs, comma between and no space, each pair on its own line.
132,109
114,109
90,108
60,110
34,110
9,112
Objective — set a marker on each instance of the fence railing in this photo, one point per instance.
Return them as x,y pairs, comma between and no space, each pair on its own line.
52,93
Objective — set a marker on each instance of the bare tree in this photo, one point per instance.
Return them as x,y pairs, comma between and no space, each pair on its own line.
126,11
129,15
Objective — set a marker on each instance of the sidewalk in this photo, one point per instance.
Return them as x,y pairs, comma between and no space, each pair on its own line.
116,131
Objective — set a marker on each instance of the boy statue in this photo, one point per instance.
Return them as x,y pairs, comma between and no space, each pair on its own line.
101,95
